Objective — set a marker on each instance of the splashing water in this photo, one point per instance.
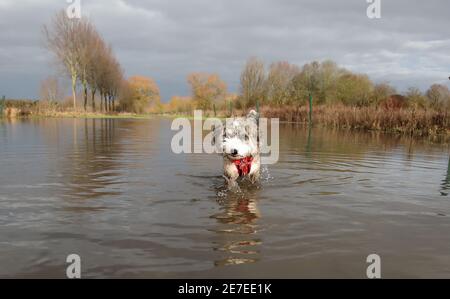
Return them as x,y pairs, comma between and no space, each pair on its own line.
242,190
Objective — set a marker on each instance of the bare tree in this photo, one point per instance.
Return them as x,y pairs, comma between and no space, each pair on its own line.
317,79
278,81
89,48
439,96
382,91
50,90
103,76
416,98
253,82
305,83
94,68
83,53
116,82
109,79
62,39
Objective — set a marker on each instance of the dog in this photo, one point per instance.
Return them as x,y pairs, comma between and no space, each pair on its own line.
240,149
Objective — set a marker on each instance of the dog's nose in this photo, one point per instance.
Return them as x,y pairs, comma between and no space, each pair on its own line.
234,152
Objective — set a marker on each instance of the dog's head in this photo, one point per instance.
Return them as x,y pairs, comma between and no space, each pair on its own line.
240,136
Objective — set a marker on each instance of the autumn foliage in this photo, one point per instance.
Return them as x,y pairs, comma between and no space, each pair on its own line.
140,94
207,89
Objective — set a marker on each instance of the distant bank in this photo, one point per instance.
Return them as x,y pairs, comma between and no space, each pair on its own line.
403,120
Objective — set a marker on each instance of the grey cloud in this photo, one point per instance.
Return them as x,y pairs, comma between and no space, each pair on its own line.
167,39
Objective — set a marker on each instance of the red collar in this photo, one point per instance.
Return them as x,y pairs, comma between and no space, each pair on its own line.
243,165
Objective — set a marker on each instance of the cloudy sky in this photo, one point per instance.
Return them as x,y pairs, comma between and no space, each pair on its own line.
167,39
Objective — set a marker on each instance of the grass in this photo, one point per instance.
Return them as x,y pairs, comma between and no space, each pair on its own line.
409,121
92,115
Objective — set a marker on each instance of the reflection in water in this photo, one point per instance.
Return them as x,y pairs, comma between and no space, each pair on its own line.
308,143
92,167
446,181
238,226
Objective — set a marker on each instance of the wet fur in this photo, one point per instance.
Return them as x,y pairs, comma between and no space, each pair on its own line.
240,134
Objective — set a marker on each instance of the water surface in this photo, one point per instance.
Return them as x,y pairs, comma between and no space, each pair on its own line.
112,191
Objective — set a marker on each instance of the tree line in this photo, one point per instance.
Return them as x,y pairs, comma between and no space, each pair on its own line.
285,84
91,64
327,83
84,55
86,58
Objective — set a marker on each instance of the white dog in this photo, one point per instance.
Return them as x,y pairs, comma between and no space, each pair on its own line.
240,147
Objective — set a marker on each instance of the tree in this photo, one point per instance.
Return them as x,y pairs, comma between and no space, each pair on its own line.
62,39
280,77
89,48
108,78
83,53
311,74
102,70
116,79
354,89
306,83
382,91
94,70
180,104
438,95
206,89
416,98
253,82
112,81
299,88
50,90
140,94
327,77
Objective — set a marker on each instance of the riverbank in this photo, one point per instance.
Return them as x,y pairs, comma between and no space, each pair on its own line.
407,121
79,115
95,115
410,121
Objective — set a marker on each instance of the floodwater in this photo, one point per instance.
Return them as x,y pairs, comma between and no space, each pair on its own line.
112,191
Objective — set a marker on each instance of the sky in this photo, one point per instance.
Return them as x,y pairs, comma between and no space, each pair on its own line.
409,45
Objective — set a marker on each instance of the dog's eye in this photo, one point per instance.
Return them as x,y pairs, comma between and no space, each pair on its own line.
247,137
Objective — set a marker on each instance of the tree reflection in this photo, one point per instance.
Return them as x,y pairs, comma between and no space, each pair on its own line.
93,166
446,182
